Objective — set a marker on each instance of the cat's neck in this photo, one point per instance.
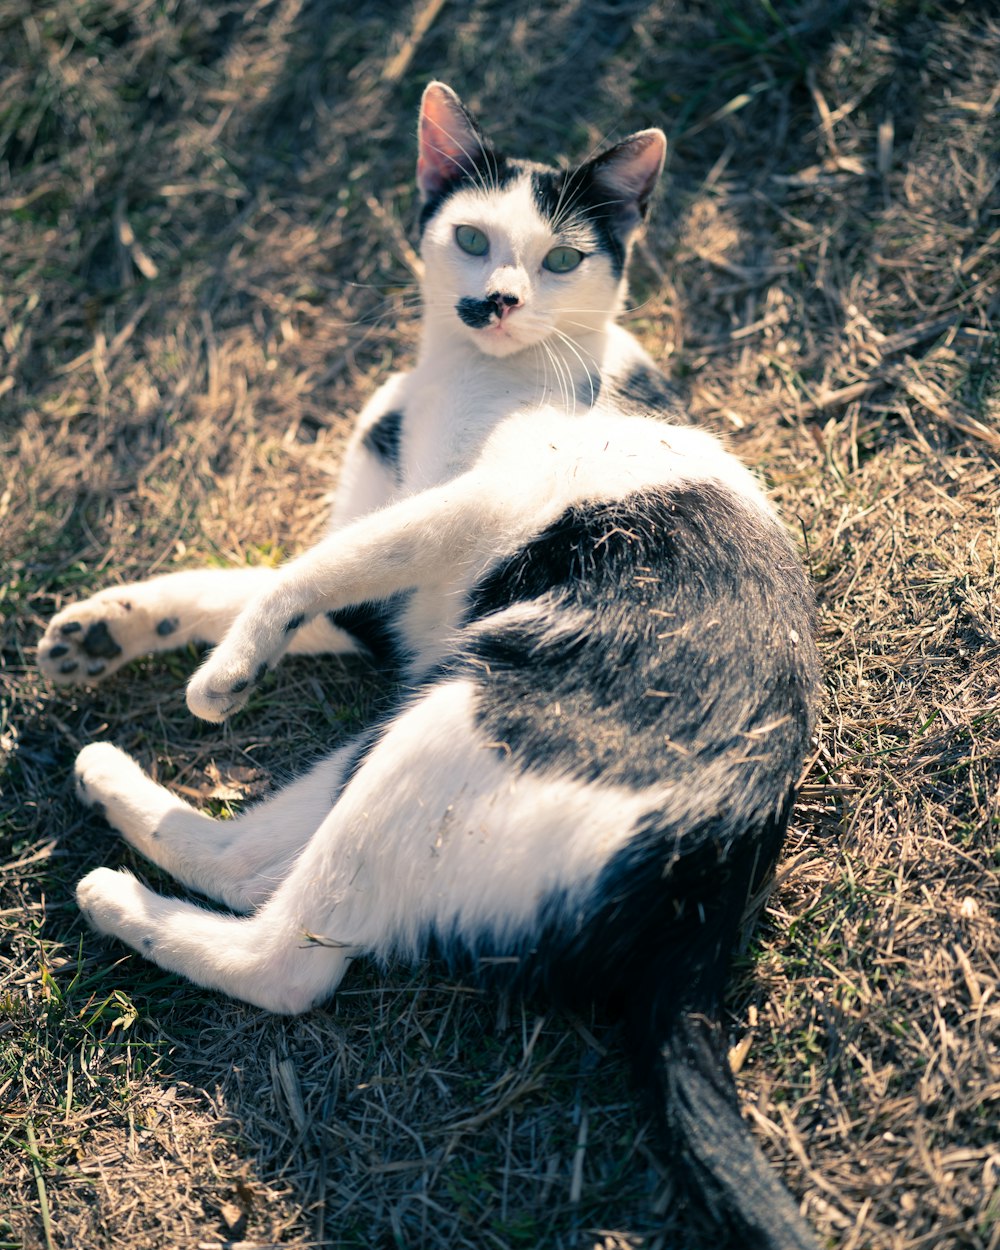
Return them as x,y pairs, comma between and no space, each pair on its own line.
553,371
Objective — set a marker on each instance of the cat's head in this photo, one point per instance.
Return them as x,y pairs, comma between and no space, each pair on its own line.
514,252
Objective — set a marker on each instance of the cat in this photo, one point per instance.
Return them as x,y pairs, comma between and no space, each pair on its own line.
605,639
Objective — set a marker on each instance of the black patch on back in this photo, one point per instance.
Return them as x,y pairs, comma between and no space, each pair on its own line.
373,626
692,630
649,391
384,438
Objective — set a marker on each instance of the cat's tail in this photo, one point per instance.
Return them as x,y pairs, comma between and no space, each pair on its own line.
721,1168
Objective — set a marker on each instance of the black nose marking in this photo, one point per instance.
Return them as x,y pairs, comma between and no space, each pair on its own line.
476,313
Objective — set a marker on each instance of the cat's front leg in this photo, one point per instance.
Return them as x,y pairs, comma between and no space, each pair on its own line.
90,640
437,533
252,646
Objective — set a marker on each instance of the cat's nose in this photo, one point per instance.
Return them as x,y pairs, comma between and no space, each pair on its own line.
504,302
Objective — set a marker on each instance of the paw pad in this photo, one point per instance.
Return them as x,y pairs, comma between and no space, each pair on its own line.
98,642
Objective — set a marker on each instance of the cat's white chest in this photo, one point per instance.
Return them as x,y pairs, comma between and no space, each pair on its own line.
449,417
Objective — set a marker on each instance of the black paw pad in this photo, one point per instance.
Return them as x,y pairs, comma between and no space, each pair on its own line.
239,686
59,650
71,627
98,666
168,626
261,670
68,666
97,642
294,623
147,944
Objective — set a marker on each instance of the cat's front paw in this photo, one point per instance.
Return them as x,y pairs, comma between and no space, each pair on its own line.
221,687
89,641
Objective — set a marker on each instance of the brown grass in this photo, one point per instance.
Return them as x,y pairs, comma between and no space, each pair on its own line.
206,258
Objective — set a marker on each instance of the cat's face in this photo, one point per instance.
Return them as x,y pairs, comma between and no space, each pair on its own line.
509,273
518,254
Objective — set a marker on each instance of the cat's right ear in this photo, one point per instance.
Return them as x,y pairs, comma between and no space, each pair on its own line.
450,144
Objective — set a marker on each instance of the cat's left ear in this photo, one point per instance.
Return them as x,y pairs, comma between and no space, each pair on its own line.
628,173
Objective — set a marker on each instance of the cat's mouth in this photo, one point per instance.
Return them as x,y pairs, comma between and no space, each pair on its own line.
491,319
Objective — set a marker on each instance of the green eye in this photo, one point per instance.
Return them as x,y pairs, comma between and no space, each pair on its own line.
471,240
562,259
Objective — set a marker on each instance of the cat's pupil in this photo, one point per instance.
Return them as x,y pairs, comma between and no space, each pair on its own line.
562,259
471,240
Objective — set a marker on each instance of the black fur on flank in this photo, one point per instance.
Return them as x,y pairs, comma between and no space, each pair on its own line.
671,650
672,640
647,390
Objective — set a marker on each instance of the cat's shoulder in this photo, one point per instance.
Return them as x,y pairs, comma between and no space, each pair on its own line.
635,383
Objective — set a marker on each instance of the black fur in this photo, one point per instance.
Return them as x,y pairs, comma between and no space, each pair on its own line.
476,313
556,192
691,632
373,626
647,390
384,440
690,669
491,167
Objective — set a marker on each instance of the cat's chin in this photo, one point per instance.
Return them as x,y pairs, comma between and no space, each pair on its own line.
498,340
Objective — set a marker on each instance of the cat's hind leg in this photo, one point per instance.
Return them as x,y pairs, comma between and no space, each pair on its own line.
437,832
239,862
361,882
90,640
265,959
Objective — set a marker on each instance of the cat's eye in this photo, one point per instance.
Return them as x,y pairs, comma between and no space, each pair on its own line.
562,259
471,240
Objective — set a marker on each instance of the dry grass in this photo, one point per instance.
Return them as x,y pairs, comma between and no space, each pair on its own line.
205,269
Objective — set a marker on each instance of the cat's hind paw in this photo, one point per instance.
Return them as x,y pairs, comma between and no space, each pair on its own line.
114,903
101,772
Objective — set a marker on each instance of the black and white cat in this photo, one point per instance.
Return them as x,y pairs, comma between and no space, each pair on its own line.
605,635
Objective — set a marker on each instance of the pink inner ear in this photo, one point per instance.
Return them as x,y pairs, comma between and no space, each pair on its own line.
631,169
448,144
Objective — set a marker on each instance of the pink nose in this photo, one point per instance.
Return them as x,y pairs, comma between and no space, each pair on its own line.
503,302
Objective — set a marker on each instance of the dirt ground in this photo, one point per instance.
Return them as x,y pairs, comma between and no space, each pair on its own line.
206,264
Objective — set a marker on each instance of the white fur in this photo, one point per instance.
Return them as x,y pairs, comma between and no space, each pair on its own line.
438,829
